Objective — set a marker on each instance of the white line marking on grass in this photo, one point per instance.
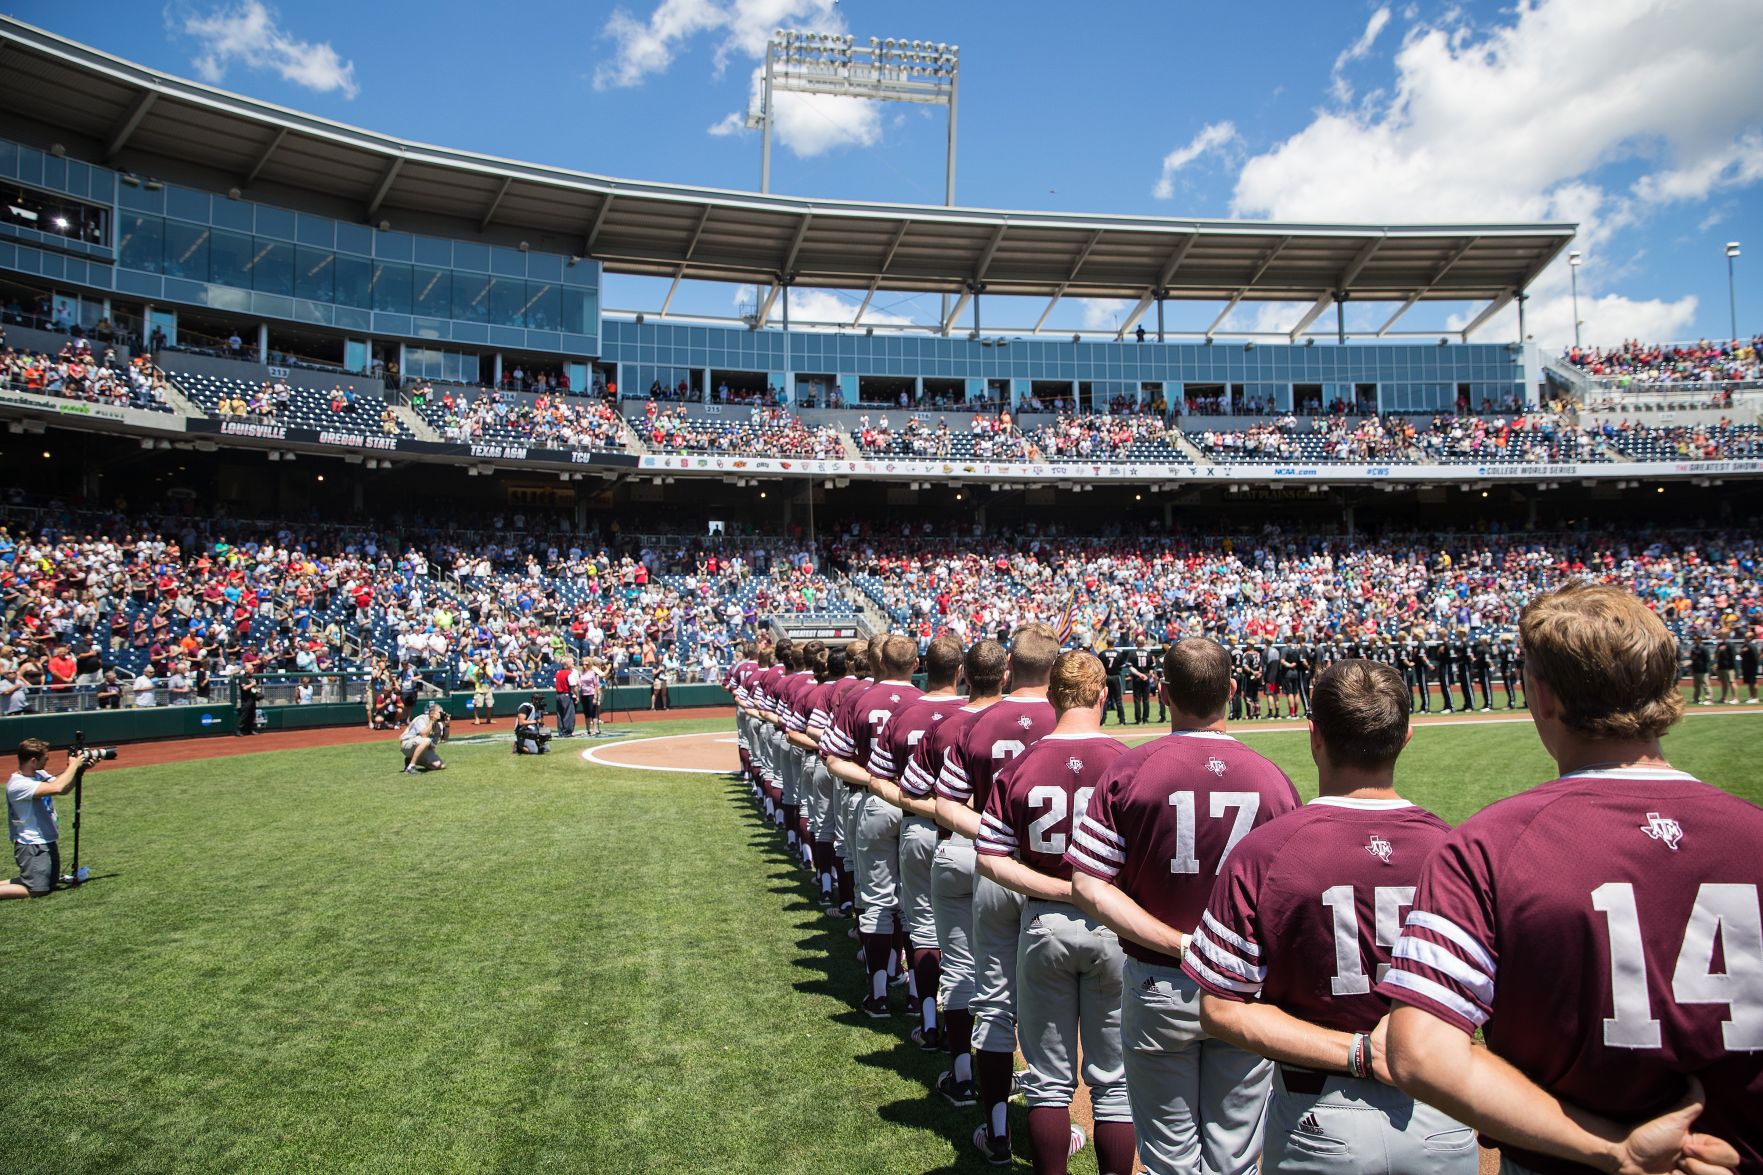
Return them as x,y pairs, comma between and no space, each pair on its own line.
591,755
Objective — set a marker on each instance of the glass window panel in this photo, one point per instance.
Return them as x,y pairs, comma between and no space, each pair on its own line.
471,297
578,311
234,214
354,281
391,246
272,267
507,296
432,292
186,204
505,262
467,255
391,288
229,259
186,250
544,305
140,242
315,273
434,251
275,222
354,238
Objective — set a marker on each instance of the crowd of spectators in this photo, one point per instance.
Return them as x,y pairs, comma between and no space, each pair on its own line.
75,373
1278,585
1081,437
1324,438
546,421
174,609
988,437
1704,361
1724,440
767,432
1539,438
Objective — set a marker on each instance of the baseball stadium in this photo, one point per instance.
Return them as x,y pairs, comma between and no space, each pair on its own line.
1090,691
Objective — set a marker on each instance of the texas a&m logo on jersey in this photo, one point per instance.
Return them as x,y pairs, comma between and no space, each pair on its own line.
1663,829
1075,764
1025,722
1380,848
1216,766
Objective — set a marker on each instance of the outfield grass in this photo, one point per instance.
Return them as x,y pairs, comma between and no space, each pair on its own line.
310,962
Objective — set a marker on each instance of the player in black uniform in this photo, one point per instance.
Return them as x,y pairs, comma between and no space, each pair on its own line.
1462,669
1438,651
1482,660
1506,658
1114,661
1157,684
1288,675
1306,655
1138,679
1249,673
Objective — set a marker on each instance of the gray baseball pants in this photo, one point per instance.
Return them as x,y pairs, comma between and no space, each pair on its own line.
1068,968
1199,1105
951,901
997,924
1359,1126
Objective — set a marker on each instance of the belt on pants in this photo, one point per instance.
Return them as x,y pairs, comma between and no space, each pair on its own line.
1305,1081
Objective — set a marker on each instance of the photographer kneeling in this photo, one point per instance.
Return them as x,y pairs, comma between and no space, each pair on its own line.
530,735
30,807
419,739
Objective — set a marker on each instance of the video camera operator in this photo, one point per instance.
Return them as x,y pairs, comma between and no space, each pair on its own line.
30,810
530,735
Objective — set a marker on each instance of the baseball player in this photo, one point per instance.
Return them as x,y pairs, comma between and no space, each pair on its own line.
804,736
1300,926
789,691
736,684
993,739
1152,841
917,834
858,678
1068,965
753,716
799,793
952,870
1603,931
873,828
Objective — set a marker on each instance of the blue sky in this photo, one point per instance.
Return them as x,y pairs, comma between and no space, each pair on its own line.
1640,119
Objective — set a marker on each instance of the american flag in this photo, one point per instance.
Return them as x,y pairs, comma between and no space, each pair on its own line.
1063,628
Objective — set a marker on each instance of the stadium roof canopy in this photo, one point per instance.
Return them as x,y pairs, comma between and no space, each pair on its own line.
681,232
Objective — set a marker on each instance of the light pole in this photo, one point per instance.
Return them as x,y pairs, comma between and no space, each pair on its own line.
1573,268
1732,306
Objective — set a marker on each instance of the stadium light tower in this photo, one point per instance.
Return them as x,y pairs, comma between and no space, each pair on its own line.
1573,268
1732,305
891,70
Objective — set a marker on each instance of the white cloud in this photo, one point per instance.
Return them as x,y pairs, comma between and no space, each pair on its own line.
1212,137
1103,313
250,34
641,48
807,124
1338,84
818,306
1519,121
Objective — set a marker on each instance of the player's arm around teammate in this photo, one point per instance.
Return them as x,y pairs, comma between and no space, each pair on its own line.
1068,965
1155,835
1298,928
1576,925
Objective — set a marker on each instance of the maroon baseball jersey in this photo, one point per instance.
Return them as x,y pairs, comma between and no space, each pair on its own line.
1040,794
760,692
1604,932
905,730
1167,815
828,704
997,736
852,736
1309,907
736,681
919,779
789,693
803,705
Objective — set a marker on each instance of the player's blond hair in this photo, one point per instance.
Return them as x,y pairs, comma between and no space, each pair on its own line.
1609,661
1033,649
1077,681
899,655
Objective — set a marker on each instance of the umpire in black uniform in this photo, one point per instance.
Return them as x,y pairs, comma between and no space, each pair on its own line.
1506,658
1114,661
1139,664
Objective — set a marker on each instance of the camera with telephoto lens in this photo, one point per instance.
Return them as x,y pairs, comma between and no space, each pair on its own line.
90,754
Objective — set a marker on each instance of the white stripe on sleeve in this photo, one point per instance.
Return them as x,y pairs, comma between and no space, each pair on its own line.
1437,958
1422,920
1224,982
1438,993
1224,933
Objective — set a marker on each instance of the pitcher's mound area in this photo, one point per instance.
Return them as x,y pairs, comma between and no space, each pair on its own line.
709,753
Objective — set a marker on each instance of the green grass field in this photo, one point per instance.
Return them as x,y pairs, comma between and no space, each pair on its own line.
310,962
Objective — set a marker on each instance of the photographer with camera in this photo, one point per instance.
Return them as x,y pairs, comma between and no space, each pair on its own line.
420,737
530,735
30,810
